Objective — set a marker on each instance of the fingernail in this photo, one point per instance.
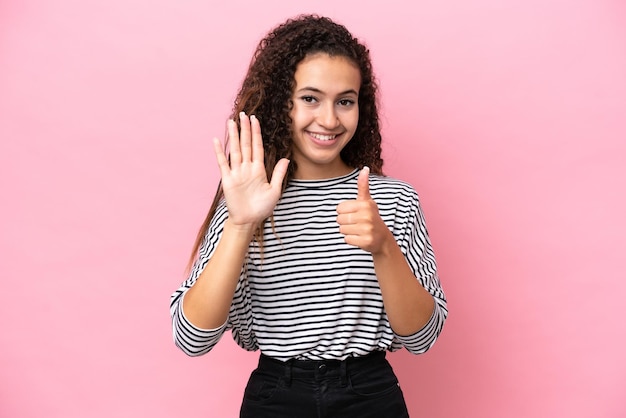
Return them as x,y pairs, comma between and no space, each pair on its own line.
252,117
242,114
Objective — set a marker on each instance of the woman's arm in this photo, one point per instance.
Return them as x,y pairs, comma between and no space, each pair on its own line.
207,303
250,199
409,306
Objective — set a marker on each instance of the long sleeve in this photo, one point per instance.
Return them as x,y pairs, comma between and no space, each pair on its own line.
416,246
192,340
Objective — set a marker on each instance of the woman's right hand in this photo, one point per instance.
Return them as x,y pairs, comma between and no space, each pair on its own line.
250,198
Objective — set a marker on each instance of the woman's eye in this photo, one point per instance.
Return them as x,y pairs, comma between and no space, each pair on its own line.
308,99
346,102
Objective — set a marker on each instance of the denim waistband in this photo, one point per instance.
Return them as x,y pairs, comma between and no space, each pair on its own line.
315,364
320,368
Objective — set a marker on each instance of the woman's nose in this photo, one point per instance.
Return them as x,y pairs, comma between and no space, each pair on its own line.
328,116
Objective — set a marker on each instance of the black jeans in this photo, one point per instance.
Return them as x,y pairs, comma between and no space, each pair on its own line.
358,387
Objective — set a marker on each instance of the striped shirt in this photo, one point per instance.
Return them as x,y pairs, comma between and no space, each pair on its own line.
309,295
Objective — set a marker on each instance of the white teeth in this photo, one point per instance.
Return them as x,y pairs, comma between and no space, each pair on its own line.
323,137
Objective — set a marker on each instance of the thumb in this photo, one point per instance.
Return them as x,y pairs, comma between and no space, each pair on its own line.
280,170
363,184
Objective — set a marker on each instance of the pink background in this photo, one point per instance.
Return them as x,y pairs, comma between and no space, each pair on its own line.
507,116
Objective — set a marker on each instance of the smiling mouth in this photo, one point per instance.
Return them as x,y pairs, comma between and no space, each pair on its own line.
321,137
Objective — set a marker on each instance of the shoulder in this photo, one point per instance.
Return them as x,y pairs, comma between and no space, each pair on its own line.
384,186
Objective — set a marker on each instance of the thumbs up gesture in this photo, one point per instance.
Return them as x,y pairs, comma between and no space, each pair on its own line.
359,220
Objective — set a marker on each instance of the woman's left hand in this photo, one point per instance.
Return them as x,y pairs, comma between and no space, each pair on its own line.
359,220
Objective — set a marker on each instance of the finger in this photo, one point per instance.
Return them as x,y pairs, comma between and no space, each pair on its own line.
344,219
245,138
222,161
278,175
257,140
233,142
363,184
348,206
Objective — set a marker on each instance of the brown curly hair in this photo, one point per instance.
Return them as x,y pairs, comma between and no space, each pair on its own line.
268,87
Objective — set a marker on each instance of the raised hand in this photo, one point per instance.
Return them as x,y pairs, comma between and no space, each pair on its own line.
250,198
359,220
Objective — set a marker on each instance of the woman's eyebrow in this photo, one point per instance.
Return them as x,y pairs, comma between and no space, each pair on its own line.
316,90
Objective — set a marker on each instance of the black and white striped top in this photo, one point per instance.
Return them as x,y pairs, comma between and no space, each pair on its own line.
309,295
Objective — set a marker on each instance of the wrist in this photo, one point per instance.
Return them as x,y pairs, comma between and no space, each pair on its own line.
388,246
241,229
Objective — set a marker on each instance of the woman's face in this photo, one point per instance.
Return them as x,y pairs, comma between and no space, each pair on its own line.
325,114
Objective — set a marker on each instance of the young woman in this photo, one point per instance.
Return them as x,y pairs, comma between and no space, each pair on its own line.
309,253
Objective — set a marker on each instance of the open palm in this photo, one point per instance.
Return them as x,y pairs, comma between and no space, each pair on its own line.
250,197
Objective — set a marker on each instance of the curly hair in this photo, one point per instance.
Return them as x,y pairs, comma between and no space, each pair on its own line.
268,87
